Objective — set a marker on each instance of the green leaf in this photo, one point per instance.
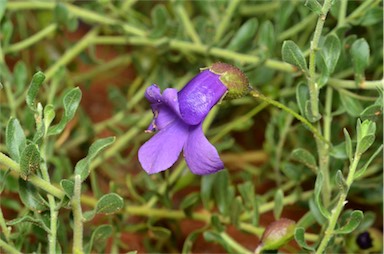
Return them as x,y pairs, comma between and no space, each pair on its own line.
216,223
292,54
247,192
37,81
365,135
279,205
159,17
14,139
190,200
236,208
360,58
160,232
365,143
340,181
222,192
317,191
315,211
82,167
191,238
266,37
99,237
339,151
244,35
323,70
348,145
6,32
353,222
31,197
211,236
71,102
20,75
365,128
109,203
68,187
351,105
300,239
3,7
308,113
331,51
29,160
373,113
302,96
314,6
372,16
29,219
61,14
366,165
49,115
305,157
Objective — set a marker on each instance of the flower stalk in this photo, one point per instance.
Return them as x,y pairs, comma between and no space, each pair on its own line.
335,214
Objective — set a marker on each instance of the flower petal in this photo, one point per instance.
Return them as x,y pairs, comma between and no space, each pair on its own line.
162,150
201,156
153,94
198,97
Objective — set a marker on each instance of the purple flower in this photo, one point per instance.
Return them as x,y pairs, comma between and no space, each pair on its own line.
178,118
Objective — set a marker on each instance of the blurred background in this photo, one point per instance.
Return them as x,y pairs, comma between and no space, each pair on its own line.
114,50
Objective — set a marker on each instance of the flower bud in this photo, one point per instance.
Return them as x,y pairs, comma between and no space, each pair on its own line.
233,78
276,235
370,241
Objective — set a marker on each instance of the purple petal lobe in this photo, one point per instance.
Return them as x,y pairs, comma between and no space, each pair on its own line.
153,94
201,156
162,150
198,97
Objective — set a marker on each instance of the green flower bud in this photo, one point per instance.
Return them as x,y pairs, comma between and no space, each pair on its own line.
276,235
233,78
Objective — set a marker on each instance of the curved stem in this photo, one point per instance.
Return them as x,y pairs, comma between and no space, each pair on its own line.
70,54
232,5
35,180
237,248
312,128
8,248
32,39
329,232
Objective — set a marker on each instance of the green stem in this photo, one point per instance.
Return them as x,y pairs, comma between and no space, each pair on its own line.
70,54
35,180
298,27
52,236
223,24
323,148
78,12
313,129
351,84
361,9
313,86
195,48
186,21
236,248
329,232
8,248
342,13
261,7
11,98
4,228
77,217
31,40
